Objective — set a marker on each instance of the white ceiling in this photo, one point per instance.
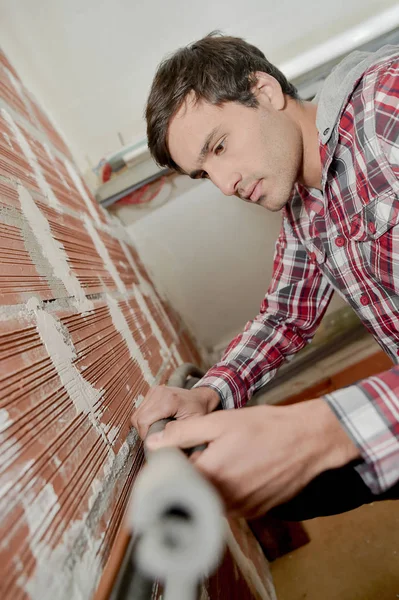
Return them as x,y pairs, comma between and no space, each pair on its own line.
91,62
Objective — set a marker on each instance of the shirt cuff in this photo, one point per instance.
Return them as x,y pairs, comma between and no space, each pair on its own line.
361,416
230,387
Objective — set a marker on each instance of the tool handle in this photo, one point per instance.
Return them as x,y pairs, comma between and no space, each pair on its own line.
160,425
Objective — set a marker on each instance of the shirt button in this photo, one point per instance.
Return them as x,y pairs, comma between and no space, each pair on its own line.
326,131
312,257
339,241
371,227
364,300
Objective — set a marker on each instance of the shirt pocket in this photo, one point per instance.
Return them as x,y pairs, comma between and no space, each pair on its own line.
376,218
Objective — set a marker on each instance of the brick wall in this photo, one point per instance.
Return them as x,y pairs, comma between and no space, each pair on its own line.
83,334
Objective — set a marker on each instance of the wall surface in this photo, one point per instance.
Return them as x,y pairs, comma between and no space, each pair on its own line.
83,334
91,63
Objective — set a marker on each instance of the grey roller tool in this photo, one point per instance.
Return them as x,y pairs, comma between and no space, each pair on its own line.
176,517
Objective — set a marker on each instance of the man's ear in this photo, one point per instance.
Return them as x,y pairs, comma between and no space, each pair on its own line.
267,89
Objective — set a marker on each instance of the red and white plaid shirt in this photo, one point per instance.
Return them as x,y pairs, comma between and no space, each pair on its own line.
345,238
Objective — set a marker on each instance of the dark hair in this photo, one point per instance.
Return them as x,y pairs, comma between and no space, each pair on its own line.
217,69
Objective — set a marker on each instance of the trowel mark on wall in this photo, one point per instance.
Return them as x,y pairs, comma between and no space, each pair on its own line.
80,187
53,251
40,510
53,576
55,166
5,420
103,252
31,158
84,396
7,138
164,348
146,289
71,568
18,88
122,326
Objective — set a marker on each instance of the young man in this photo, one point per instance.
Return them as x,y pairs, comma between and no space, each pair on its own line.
219,110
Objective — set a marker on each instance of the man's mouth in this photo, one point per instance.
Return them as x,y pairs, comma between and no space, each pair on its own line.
255,192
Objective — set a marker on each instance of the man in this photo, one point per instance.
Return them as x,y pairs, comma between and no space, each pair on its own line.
219,110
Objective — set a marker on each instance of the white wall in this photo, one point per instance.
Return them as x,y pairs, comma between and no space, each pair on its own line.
91,62
212,255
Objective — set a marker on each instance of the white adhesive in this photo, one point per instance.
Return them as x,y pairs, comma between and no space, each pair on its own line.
5,420
165,351
147,290
7,138
55,166
150,293
129,257
138,401
31,158
122,326
52,577
15,471
81,189
70,569
103,252
52,250
84,396
18,88
40,509
113,434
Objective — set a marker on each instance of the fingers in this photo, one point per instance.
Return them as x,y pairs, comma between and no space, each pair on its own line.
186,433
153,408
162,402
159,403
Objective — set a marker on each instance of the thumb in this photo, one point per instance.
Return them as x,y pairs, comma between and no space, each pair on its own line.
185,433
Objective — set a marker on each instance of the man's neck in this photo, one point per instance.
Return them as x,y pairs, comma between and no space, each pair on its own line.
304,114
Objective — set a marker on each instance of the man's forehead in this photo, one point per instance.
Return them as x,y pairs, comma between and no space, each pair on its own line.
192,108
189,128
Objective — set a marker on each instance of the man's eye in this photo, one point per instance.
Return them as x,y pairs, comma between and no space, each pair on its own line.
219,148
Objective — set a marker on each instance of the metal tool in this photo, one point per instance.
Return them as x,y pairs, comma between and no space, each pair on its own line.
175,519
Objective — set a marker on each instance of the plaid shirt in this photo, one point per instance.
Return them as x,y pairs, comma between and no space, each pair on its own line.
344,238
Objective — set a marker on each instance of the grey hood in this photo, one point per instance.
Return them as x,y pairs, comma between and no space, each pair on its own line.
339,85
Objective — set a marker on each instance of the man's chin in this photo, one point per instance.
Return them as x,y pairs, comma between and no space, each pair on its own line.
272,204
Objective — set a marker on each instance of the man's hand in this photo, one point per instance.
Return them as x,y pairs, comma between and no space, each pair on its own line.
262,456
162,402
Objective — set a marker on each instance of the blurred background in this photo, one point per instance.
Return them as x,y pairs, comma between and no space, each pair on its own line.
101,216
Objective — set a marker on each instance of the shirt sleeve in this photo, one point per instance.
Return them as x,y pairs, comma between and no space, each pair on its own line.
369,411
290,313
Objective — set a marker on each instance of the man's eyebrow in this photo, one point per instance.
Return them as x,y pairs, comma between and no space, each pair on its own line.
204,151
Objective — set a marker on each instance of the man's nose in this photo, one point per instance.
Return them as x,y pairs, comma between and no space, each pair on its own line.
227,182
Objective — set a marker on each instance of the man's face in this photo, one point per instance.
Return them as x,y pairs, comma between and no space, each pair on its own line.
253,153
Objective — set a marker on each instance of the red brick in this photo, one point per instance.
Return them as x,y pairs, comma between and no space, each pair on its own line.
47,127
19,278
17,100
13,163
